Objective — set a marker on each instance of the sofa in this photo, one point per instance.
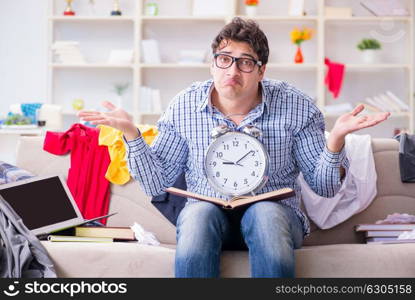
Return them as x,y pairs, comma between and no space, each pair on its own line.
336,252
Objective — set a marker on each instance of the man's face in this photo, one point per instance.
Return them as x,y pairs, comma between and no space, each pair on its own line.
232,82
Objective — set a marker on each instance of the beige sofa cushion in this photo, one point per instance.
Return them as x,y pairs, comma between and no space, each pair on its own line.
77,259
134,260
132,206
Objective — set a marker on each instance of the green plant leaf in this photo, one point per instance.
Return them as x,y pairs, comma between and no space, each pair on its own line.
366,44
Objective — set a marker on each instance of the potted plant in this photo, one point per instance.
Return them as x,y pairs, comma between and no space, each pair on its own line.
297,37
250,7
369,48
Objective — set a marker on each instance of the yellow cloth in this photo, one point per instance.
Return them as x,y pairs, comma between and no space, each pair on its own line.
117,171
148,132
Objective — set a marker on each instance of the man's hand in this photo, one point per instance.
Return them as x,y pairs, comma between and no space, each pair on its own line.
115,117
351,122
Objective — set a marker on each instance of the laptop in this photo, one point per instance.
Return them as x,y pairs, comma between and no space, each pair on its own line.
44,203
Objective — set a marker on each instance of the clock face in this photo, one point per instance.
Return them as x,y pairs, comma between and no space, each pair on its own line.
236,164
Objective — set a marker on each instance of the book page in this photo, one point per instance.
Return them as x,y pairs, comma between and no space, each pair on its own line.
183,193
272,196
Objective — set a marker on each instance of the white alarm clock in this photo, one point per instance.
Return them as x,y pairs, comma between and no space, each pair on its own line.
236,163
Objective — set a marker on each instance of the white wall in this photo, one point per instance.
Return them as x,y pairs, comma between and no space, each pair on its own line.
23,52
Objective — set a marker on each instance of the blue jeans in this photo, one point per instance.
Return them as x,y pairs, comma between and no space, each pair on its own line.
269,230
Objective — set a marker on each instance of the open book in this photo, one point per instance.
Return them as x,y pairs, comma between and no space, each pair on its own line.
236,201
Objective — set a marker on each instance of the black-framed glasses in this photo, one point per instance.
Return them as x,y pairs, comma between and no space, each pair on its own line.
244,64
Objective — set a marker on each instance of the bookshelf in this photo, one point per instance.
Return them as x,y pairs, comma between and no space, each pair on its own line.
176,28
97,33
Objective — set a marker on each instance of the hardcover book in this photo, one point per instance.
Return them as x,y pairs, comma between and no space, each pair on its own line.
366,227
117,233
70,238
236,201
381,239
384,233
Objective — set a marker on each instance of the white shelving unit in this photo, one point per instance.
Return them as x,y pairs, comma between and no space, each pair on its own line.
98,33
72,19
175,28
394,72
91,65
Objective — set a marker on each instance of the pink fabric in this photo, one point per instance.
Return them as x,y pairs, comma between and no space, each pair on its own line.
334,77
89,163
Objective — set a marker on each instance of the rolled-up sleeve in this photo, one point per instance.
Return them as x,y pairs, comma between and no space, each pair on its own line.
156,167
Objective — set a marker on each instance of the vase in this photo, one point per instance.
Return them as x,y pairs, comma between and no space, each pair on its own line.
370,56
250,10
151,9
118,101
299,59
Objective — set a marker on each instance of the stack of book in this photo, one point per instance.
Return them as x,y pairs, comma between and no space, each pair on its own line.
150,51
385,233
150,100
96,234
386,102
67,52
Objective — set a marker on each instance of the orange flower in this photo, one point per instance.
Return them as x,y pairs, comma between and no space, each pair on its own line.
295,35
251,2
307,34
300,35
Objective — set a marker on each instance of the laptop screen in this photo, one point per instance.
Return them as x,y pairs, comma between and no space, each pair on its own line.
40,203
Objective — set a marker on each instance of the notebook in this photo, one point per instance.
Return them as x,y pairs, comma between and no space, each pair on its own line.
44,203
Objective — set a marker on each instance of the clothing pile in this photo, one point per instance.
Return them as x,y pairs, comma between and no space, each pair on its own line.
406,156
21,253
10,173
356,193
97,158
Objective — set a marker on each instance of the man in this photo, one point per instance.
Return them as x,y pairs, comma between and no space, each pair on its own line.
293,134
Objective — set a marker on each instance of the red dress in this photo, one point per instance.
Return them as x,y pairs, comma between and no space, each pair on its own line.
89,163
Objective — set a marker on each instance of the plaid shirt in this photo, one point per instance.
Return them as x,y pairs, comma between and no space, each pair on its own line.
293,134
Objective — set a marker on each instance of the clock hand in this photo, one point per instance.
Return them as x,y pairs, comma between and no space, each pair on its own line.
228,162
237,162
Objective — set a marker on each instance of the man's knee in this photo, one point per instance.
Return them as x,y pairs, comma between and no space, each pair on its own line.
200,222
199,213
273,224
267,214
